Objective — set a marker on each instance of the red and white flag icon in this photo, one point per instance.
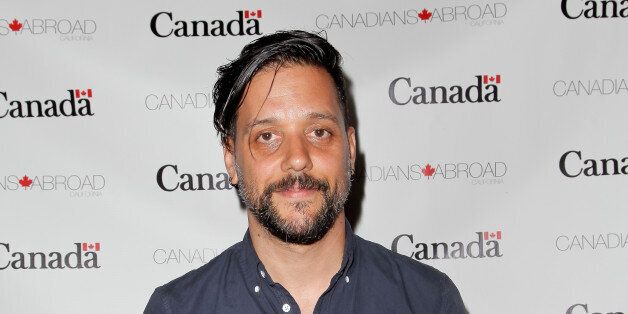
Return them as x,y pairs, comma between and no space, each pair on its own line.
492,235
81,93
253,14
91,246
492,79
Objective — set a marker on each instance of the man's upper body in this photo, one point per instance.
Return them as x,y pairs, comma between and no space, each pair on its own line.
371,279
290,148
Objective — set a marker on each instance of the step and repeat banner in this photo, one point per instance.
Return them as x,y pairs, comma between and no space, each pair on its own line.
493,145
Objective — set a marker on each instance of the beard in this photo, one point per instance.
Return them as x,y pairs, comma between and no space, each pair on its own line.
308,229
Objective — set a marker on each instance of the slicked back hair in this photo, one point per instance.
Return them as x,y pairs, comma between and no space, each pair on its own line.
281,48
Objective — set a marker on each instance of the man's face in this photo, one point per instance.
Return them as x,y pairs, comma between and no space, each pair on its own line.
292,156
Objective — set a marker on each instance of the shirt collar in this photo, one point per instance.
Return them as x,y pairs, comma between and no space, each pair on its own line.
254,270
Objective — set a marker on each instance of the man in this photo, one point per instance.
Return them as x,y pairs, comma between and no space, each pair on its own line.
281,112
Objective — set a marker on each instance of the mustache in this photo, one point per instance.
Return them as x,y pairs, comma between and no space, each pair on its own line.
304,181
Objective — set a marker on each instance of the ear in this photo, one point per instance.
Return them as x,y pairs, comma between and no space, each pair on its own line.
228,150
352,145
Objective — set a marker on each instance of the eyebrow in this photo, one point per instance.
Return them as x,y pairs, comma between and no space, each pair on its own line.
311,116
260,122
322,116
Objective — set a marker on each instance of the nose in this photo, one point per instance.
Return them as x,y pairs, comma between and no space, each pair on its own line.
296,155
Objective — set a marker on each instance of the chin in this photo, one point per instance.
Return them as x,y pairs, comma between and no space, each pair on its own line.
298,214
301,215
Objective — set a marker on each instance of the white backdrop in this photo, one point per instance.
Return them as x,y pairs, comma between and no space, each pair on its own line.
495,165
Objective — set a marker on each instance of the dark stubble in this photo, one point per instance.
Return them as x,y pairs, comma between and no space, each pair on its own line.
312,228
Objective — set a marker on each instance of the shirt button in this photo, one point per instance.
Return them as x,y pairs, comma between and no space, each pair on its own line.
256,289
262,273
286,307
347,279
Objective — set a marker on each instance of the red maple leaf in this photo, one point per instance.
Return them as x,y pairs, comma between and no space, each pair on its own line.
25,182
425,15
15,26
428,171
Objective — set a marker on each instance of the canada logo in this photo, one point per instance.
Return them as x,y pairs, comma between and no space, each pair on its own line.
25,182
485,244
63,27
83,256
76,103
472,13
428,171
425,15
15,25
91,246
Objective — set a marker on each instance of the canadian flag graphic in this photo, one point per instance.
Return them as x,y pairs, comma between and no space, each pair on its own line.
81,93
91,246
253,14
492,79
492,235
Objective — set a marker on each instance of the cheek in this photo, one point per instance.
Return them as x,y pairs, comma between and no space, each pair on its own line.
258,172
330,163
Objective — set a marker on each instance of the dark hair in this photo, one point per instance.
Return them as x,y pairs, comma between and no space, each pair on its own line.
282,47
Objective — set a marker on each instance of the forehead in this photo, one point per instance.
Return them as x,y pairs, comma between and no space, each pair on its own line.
289,92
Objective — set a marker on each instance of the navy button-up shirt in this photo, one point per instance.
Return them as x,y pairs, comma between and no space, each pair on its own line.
371,279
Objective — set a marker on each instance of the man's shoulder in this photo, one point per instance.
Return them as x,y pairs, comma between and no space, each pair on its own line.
399,265
182,291
412,277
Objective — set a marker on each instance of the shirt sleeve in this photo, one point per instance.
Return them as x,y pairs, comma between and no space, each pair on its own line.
451,301
157,304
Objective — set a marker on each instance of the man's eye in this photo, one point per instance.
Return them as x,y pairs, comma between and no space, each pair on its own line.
321,133
266,136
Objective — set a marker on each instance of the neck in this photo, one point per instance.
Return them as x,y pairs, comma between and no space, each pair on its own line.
297,266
